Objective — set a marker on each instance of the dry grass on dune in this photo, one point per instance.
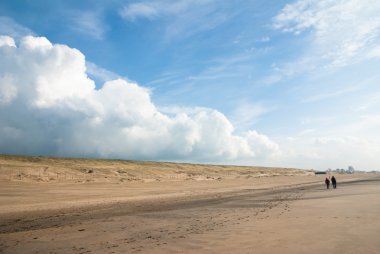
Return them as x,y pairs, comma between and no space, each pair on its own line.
52,169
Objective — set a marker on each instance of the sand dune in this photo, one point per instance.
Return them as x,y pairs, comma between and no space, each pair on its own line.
55,205
48,169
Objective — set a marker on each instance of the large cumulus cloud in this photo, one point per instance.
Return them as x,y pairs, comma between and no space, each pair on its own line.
49,106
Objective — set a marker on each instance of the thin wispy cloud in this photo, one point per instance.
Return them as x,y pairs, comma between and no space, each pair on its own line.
182,19
371,103
155,9
247,114
11,28
141,10
89,23
343,31
332,94
100,74
225,67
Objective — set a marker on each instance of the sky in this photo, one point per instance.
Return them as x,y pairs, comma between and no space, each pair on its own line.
253,82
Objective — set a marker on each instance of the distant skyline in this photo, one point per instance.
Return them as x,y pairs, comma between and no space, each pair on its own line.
281,83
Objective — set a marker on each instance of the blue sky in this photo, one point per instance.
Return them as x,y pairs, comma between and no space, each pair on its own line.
287,83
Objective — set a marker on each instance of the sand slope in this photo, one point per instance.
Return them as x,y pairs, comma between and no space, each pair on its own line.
48,169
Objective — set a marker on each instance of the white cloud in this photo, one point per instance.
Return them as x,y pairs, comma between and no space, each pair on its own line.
263,145
53,108
343,30
7,41
8,91
36,43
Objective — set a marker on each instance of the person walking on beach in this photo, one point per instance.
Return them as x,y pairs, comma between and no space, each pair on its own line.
333,181
327,182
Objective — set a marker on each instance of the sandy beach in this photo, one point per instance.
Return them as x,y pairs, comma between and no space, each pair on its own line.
50,205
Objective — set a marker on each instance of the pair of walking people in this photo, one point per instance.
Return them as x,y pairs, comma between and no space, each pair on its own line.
333,182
